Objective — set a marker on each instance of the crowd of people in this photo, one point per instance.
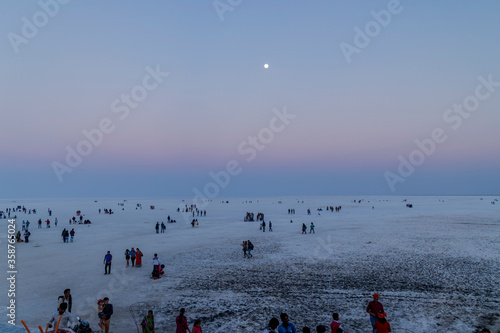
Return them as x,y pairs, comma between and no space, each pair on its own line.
377,318
247,249
250,217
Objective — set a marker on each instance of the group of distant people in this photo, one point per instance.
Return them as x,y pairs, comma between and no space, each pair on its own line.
66,234
247,249
286,326
263,226
135,256
160,227
375,309
311,228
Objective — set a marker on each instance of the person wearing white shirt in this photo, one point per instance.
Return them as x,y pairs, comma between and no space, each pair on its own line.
66,319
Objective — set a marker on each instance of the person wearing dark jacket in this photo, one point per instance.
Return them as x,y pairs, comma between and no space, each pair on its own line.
107,311
66,298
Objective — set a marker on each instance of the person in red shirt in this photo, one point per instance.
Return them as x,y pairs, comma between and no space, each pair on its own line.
181,322
334,325
374,308
382,325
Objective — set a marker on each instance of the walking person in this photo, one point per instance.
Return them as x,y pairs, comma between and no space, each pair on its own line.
72,234
162,227
250,248
127,256
138,258
304,228
263,226
245,248
148,323
270,226
132,256
181,322
373,309
157,227
107,263
311,228
107,311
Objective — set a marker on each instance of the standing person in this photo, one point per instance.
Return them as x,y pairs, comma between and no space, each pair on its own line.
157,227
127,256
245,248
162,227
100,314
196,326
304,228
63,233
335,324
382,325
107,261
270,226
39,223
27,236
271,327
107,311
55,221
72,234
156,267
66,298
132,256
250,248
373,309
181,322
148,323
66,318
286,326
263,226
138,260
311,228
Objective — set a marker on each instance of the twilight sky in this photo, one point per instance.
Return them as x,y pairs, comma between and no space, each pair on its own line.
158,98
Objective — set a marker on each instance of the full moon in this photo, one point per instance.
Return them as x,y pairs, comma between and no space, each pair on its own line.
266,65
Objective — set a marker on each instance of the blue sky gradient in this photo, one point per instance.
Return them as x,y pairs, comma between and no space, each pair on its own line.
353,120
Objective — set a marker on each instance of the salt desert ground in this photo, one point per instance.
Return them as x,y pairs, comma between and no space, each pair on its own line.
435,266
